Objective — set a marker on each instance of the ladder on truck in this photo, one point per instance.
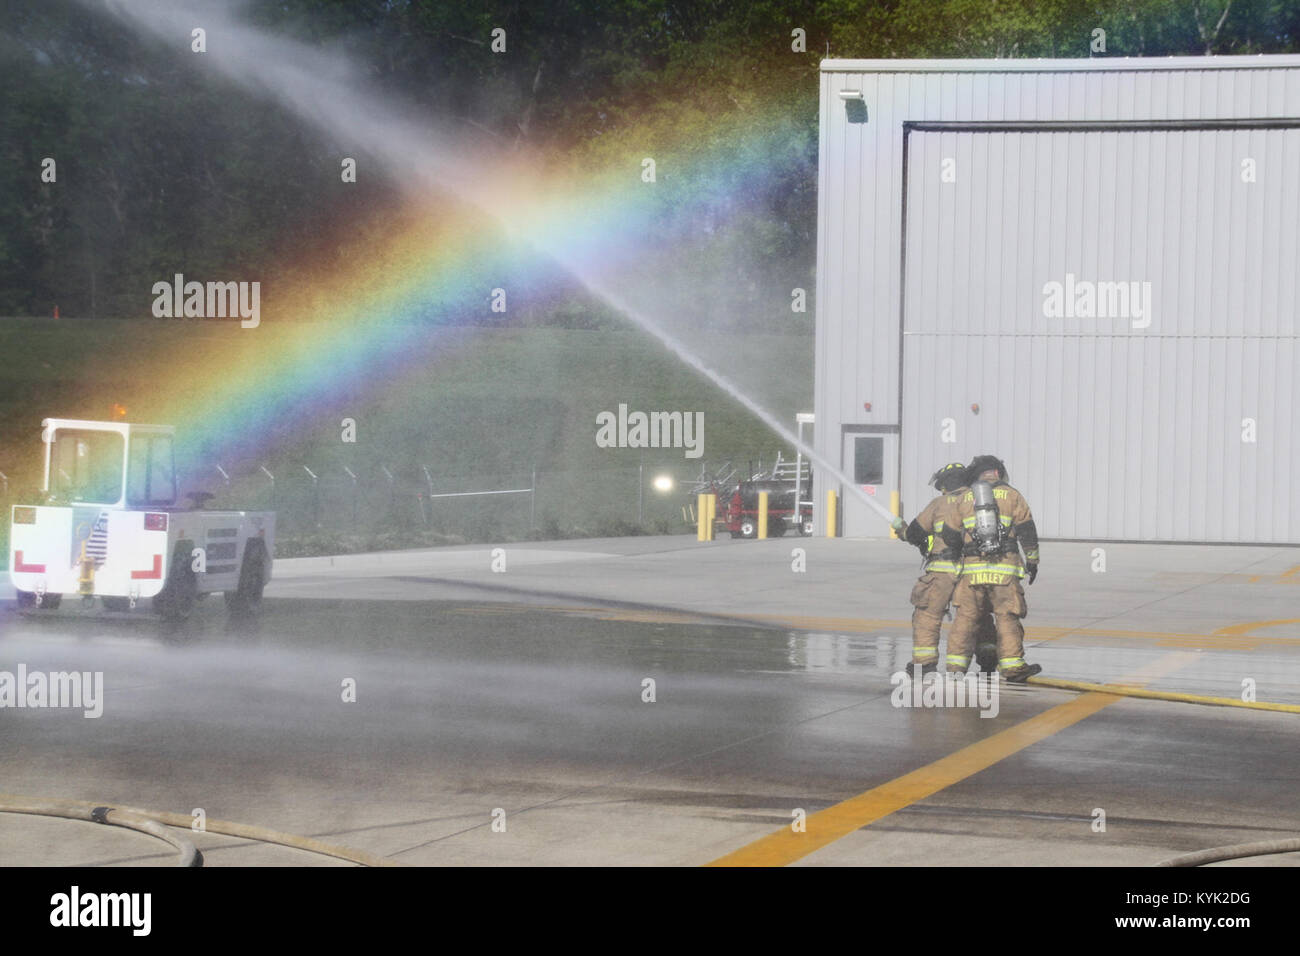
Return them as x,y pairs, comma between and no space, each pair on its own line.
796,471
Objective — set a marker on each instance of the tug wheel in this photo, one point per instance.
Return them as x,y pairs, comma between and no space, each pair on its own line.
247,599
175,602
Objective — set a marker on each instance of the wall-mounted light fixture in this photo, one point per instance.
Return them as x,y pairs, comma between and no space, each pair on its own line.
855,105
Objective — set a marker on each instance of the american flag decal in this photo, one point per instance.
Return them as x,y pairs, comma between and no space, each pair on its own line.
97,545
95,535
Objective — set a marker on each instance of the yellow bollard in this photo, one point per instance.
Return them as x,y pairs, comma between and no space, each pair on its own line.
762,514
896,509
831,501
713,516
701,516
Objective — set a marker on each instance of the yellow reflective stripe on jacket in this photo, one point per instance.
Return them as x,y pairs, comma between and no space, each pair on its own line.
993,569
946,567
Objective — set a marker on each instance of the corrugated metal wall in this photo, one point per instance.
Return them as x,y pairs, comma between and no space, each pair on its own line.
1116,427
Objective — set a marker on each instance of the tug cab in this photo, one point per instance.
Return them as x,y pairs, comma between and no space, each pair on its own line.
108,526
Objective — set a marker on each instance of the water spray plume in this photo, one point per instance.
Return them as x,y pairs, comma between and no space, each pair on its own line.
325,91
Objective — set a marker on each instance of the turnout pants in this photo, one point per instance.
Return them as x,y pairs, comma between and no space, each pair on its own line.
930,597
1006,602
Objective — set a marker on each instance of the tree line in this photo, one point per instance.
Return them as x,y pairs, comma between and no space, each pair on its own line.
164,168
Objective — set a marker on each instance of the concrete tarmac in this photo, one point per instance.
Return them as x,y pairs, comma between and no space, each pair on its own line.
518,697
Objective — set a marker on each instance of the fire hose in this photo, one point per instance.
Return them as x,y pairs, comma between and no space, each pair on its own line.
1240,851
155,823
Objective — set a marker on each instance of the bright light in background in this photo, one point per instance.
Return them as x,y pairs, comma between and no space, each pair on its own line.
663,483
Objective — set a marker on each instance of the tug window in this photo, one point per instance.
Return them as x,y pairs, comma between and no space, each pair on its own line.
151,473
86,466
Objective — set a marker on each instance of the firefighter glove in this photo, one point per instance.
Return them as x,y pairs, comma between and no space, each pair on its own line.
1032,568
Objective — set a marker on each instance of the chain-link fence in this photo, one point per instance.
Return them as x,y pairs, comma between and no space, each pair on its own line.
391,505
324,509
476,507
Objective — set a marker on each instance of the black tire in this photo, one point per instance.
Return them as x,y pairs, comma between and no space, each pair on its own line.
115,603
247,598
749,527
776,528
26,599
175,602
806,529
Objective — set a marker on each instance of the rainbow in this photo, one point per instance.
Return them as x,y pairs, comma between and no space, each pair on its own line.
356,328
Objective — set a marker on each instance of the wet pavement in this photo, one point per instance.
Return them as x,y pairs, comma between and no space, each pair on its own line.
522,699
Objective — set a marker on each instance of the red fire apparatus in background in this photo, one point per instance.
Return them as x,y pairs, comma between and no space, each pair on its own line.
741,514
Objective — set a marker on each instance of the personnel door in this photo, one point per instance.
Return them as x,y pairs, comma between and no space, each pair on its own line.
870,459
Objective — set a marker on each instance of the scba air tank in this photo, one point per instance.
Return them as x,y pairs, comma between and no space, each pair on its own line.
988,529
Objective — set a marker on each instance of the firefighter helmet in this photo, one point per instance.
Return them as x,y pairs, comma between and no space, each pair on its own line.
983,463
949,478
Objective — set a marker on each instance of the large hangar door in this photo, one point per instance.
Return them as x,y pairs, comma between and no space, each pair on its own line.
1121,305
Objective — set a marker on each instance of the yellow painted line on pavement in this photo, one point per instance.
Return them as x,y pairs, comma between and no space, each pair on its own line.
826,826
1209,577
1290,571
1247,626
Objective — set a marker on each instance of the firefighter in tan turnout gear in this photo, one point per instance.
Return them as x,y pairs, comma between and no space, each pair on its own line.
990,522
934,589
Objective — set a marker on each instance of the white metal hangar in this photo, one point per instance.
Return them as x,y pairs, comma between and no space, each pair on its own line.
1086,267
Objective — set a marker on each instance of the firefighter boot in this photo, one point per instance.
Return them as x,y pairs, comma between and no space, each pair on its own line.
1021,673
928,667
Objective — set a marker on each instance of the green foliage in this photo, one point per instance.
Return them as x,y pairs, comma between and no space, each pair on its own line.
165,168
